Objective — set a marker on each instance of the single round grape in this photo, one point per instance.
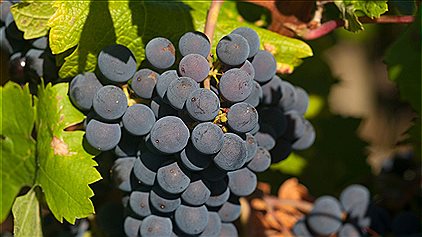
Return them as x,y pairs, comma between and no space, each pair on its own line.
288,92
272,92
349,230
194,66
242,117
251,37
163,82
161,108
145,168
251,146
213,227
196,194
116,63
325,216
265,140
203,105
143,83
128,145
102,136
228,229
156,226
207,138
220,192
242,182
191,220
139,203
261,161
233,154
307,139
121,170
160,52
235,85
169,135
233,49
256,95
179,90
131,226
110,102
162,201
230,210
193,159
138,119
194,42
265,66
172,178
355,200
82,89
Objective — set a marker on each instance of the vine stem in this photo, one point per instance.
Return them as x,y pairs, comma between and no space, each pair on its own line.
210,24
330,26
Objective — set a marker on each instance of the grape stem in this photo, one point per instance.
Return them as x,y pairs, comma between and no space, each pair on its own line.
210,24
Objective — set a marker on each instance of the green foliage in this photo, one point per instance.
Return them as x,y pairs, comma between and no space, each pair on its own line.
91,25
350,10
26,211
56,161
32,17
17,145
406,70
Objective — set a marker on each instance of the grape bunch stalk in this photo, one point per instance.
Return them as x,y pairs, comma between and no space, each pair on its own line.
189,138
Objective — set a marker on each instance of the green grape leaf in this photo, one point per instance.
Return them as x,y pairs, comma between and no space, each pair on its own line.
65,168
351,8
133,24
32,17
26,211
17,146
56,161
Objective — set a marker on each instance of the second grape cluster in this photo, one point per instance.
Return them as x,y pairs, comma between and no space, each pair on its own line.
191,145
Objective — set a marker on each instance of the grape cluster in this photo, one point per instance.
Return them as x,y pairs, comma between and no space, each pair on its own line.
344,217
190,146
29,59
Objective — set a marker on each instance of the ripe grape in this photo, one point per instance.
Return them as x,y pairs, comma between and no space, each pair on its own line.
242,182
82,89
233,49
110,102
220,192
160,52
162,201
202,105
121,170
156,226
230,210
207,138
261,161
131,226
163,82
228,229
265,66
213,227
233,154
169,135
194,43
235,85
139,203
102,136
355,200
256,95
143,83
172,178
191,220
196,194
194,160
145,168
325,217
194,66
242,117
138,119
116,63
